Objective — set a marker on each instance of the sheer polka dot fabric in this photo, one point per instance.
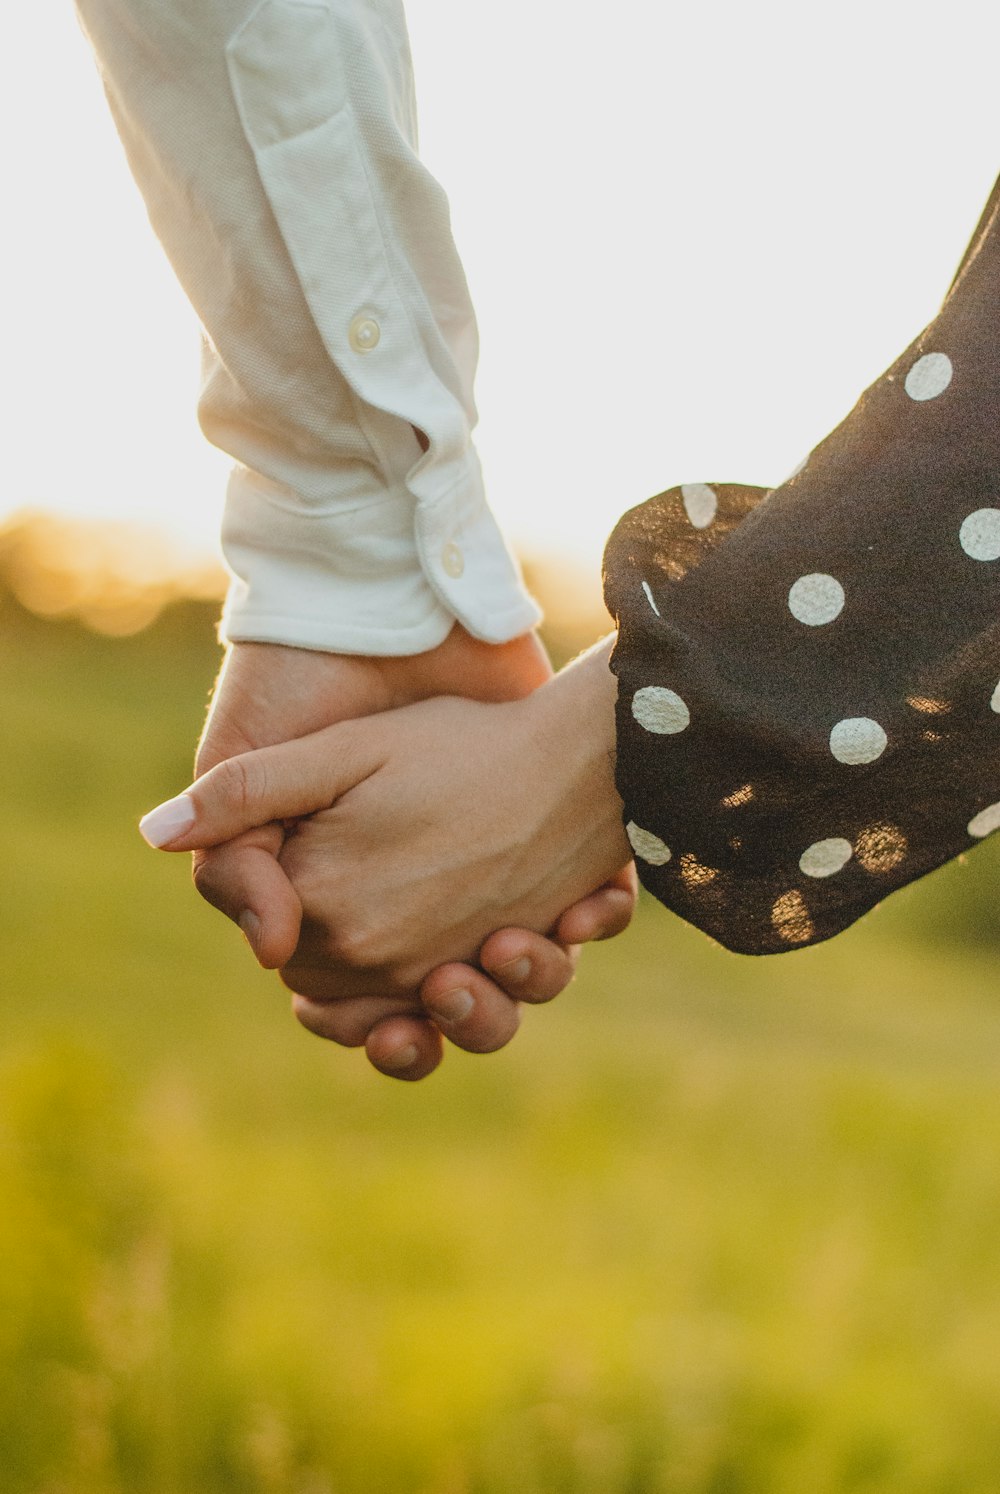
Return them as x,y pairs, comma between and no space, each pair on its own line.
809,679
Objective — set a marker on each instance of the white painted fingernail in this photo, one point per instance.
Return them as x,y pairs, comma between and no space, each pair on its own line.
167,821
451,1006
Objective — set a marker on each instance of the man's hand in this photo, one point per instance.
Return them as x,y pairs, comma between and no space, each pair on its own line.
418,831
267,694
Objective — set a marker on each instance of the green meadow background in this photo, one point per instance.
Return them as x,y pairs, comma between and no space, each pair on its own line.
709,1226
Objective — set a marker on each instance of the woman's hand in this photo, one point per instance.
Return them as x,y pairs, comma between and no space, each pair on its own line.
268,693
430,828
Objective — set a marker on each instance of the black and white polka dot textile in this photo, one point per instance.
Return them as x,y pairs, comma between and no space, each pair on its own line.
809,679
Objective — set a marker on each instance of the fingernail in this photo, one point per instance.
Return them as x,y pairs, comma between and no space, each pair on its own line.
450,1007
250,924
167,821
514,974
403,1058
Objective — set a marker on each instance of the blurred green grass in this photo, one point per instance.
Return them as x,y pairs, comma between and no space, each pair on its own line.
709,1226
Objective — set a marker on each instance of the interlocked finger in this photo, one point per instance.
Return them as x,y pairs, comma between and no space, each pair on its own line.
350,1022
469,1009
406,1048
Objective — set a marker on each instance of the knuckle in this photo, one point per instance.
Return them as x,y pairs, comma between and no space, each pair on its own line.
323,985
242,785
342,1027
357,945
209,882
238,781
299,981
404,979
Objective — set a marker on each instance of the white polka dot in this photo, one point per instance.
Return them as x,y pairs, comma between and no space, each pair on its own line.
929,376
646,845
980,534
857,739
824,858
995,700
650,598
660,710
816,599
700,503
985,822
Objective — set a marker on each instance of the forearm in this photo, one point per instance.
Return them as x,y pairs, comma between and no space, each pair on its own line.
274,146
808,708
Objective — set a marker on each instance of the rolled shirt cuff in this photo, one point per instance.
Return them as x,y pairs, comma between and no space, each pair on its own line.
386,576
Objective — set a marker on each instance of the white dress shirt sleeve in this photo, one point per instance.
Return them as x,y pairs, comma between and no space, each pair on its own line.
274,142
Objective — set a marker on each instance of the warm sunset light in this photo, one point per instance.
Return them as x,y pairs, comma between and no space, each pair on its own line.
693,235
112,574
525,1201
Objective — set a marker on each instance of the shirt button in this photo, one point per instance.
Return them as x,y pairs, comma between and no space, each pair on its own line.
364,334
453,560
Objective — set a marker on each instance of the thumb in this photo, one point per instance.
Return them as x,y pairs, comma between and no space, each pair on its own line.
274,783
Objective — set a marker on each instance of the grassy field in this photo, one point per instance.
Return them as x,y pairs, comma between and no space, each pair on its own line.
709,1226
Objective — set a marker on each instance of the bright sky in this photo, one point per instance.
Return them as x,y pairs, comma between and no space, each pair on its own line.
693,234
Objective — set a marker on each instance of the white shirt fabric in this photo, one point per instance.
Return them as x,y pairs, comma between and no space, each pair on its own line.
274,142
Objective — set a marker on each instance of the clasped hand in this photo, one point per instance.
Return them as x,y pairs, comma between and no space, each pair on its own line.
392,863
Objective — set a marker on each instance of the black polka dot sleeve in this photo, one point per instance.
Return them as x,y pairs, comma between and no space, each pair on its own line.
809,679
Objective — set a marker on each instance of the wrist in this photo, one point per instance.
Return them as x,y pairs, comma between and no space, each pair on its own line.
572,725
467,667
